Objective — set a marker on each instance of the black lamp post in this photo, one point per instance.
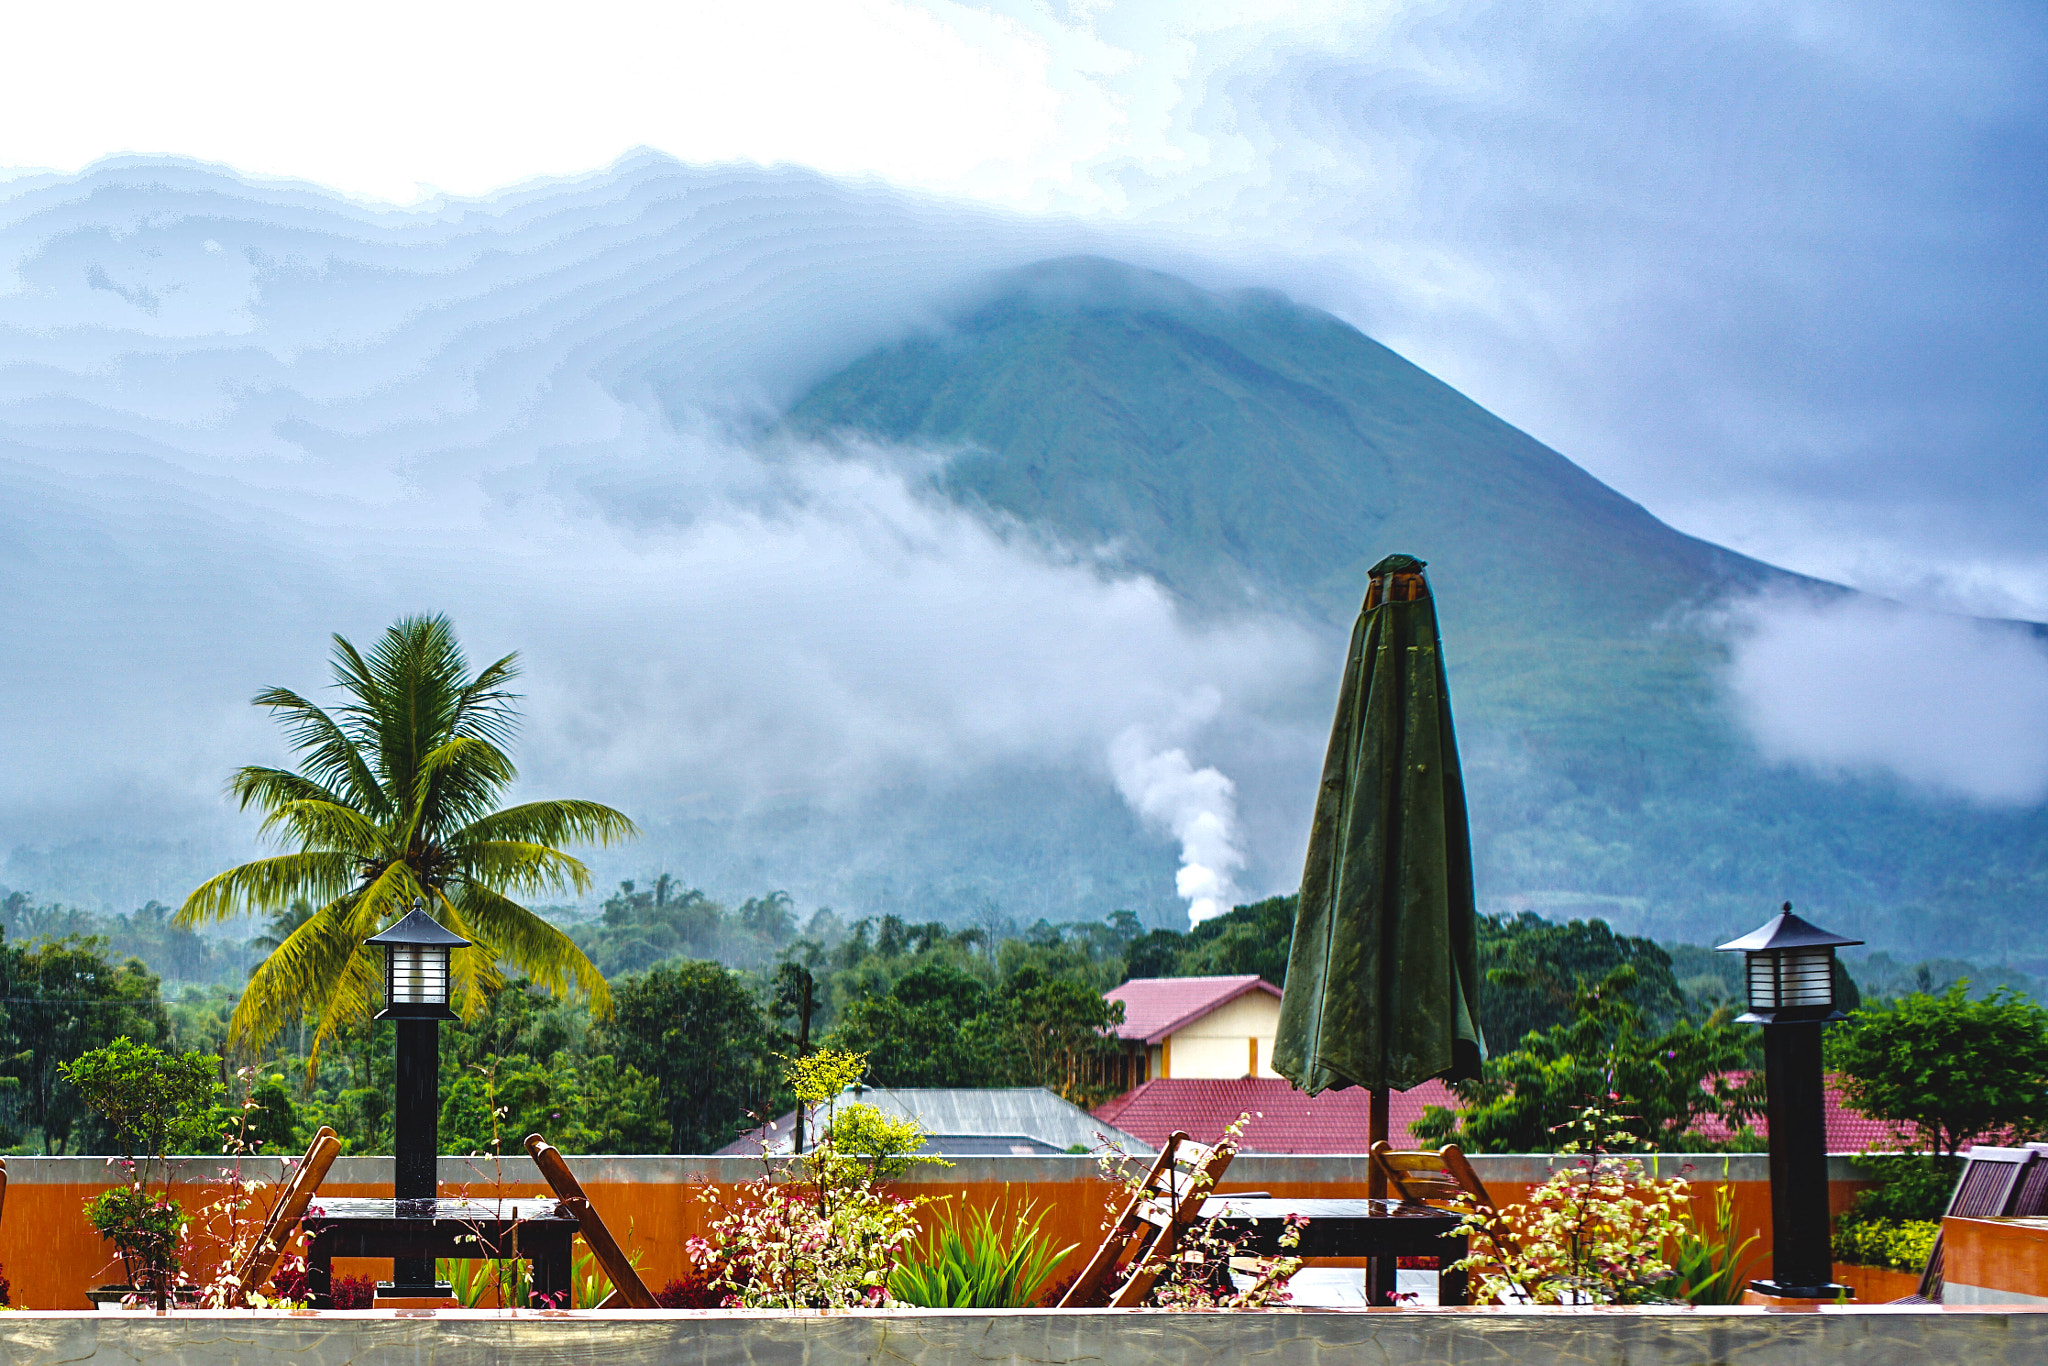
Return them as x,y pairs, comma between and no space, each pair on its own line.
416,952
1792,995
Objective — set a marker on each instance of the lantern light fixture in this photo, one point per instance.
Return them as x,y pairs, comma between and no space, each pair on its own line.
416,952
1791,970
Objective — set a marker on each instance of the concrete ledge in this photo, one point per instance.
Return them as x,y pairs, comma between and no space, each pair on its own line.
1250,1170
1889,1336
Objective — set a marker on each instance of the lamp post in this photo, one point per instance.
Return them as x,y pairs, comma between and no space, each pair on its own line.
416,952
1791,975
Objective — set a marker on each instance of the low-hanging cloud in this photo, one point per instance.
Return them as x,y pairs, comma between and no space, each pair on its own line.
1860,685
236,418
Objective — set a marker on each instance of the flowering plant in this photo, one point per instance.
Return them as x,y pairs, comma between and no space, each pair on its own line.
1594,1233
815,1231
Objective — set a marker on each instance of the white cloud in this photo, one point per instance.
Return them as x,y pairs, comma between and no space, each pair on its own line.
1860,685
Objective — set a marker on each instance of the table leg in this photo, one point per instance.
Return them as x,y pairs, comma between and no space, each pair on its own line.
319,1272
1451,1284
1380,1281
553,1268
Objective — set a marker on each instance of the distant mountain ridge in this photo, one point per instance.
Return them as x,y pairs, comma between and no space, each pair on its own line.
1248,451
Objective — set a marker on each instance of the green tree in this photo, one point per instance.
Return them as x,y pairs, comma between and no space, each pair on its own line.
62,1000
1058,1031
1656,1085
918,1033
1950,1067
1536,969
1248,939
394,806
697,1031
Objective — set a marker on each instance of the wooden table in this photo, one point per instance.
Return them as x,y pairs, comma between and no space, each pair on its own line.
533,1229
1380,1229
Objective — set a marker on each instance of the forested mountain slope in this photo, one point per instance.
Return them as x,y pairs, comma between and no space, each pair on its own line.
1251,453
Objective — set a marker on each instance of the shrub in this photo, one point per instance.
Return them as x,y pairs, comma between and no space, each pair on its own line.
1903,1246
1594,1233
1895,1222
694,1291
973,1263
815,1232
354,1292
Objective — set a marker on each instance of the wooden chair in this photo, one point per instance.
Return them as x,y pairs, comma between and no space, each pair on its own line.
1160,1210
1430,1178
1995,1182
261,1258
628,1290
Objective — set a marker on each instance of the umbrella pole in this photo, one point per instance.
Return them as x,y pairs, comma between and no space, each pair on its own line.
1379,1271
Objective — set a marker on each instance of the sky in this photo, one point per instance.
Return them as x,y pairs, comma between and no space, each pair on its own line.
1774,270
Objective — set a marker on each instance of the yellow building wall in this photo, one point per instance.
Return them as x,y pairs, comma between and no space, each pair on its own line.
1225,1042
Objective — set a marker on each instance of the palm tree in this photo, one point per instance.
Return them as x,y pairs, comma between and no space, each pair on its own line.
392,807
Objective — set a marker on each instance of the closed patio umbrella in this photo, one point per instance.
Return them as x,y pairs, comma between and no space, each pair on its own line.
1383,977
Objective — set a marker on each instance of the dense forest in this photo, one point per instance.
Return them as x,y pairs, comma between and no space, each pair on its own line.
707,997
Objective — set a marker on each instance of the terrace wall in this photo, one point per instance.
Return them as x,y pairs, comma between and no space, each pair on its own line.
1890,1336
654,1204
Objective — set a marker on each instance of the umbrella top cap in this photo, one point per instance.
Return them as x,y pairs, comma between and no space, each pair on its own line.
1397,564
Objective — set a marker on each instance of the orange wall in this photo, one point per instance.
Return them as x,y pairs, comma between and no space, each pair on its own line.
52,1256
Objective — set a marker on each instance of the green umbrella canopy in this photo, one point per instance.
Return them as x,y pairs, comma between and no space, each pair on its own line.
1383,976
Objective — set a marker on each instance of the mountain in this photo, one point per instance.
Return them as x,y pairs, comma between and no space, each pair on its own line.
1252,453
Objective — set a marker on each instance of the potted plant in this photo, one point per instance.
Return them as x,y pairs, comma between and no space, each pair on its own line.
150,1100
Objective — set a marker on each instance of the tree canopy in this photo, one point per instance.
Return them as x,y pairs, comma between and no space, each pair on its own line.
1950,1067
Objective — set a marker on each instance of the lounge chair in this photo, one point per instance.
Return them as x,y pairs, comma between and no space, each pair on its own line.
628,1290
1995,1182
1160,1210
261,1258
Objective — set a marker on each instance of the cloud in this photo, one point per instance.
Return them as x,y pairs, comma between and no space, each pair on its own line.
1864,686
1770,270
236,418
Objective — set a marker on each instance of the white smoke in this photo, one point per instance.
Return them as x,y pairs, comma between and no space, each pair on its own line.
1198,806
1861,685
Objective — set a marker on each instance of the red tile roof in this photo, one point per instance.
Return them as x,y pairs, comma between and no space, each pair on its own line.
1155,1007
1286,1121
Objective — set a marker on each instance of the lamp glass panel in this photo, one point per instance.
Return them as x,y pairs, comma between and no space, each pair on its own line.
417,975
1782,979
1806,977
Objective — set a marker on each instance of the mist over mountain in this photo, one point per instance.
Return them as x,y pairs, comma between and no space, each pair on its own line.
911,558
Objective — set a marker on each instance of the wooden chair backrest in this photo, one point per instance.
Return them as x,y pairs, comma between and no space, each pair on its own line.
628,1290
1993,1183
1163,1206
261,1258
1430,1178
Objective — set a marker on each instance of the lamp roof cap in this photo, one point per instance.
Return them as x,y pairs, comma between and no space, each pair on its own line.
419,928
1785,931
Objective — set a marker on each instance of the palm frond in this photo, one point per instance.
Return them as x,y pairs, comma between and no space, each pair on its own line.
310,969
332,757
523,867
332,826
270,788
538,949
458,778
269,884
550,822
